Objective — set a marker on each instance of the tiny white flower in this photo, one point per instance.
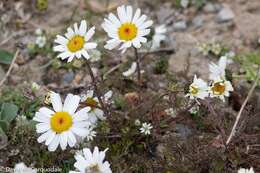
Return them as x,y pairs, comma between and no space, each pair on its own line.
198,89
171,112
91,162
91,134
129,29
95,55
40,41
146,128
131,70
62,125
137,122
158,36
35,86
194,110
76,42
243,170
220,88
218,70
184,3
22,168
38,31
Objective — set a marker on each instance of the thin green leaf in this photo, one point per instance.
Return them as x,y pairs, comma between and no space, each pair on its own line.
8,112
4,125
6,57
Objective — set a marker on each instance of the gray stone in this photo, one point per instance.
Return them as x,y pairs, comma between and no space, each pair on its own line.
183,131
210,8
198,21
68,77
225,14
180,26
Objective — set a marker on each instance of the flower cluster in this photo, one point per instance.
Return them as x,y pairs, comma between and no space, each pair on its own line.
219,86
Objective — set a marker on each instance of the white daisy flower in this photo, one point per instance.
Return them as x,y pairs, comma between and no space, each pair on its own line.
198,89
64,124
146,128
22,168
40,41
131,70
76,42
93,104
91,162
158,36
243,170
129,28
220,88
218,70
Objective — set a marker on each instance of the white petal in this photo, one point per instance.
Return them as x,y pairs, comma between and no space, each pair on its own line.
64,55
111,44
46,111
63,140
78,54
142,39
56,102
76,29
70,33
81,115
141,20
146,24
136,16
50,138
61,40
85,54
126,45
44,136
90,33
129,13
54,144
71,58
121,14
72,104
42,127
71,139
114,19
90,45
79,131
59,48
99,113
136,43
39,117
83,28
144,32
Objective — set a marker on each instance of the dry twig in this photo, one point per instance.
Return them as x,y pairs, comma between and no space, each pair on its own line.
233,131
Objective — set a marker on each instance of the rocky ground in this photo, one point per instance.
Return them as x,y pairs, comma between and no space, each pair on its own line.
180,142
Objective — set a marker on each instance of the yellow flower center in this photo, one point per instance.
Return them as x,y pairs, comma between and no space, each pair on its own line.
76,43
61,121
92,103
127,31
218,88
194,90
93,169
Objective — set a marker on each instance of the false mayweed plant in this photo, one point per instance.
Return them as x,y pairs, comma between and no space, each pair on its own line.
62,125
219,86
127,30
88,162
